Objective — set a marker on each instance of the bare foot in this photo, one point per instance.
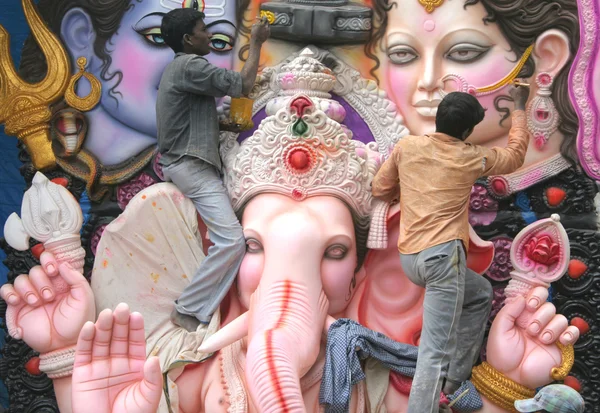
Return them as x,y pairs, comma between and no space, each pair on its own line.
186,321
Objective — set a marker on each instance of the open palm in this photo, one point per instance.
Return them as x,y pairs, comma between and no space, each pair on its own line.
47,307
111,372
523,337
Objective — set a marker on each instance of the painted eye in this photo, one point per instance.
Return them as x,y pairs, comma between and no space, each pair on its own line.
253,246
466,53
191,4
153,36
402,55
336,252
221,42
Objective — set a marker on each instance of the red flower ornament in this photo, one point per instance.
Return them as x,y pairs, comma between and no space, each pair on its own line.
543,250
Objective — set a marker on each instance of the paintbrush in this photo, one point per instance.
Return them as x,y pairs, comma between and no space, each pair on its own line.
519,83
460,396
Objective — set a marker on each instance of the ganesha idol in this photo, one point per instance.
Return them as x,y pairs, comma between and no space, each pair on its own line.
320,254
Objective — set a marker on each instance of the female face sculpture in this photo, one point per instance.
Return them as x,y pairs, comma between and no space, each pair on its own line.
480,42
122,43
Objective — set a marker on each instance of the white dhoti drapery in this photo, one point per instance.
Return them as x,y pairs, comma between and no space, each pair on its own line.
145,258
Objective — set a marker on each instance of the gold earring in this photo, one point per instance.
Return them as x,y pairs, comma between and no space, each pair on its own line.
83,104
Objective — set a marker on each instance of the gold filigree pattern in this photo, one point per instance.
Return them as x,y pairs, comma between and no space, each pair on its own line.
497,388
431,5
24,107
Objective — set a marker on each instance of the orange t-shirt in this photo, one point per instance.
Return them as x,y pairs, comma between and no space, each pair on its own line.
434,175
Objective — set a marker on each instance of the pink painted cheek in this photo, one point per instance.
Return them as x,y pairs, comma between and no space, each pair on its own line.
249,276
141,69
336,277
401,86
223,60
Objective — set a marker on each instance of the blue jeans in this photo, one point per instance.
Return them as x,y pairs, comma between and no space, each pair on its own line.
201,182
456,308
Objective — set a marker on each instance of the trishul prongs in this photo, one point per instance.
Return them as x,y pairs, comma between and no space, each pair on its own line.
24,107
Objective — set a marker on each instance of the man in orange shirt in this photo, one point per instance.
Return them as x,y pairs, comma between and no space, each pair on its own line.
433,176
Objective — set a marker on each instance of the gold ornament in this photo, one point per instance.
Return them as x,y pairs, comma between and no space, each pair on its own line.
86,103
269,15
509,78
497,388
431,5
24,107
568,359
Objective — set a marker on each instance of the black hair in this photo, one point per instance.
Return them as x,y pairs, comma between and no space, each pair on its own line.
458,113
176,24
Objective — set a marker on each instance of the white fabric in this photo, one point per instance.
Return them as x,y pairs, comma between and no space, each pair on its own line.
145,258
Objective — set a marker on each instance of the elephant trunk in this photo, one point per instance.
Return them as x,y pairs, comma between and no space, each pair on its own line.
286,316
283,344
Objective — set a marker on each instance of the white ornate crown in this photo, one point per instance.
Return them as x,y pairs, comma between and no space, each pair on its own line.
306,75
301,152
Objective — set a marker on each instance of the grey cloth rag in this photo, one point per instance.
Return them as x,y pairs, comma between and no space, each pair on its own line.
348,343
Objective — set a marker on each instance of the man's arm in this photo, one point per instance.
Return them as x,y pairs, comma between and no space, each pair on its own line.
202,78
260,34
499,161
386,184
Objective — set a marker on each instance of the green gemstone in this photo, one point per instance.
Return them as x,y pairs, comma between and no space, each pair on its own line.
300,127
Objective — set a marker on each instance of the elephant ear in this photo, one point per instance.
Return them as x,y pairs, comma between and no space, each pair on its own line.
386,300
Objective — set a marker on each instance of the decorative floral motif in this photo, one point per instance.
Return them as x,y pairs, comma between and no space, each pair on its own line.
480,199
501,267
96,238
497,301
157,167
127,191
543,250
482,206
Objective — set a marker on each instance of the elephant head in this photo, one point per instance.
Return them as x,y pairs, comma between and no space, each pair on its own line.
302,188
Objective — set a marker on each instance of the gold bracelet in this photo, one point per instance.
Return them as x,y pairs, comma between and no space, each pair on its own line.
497,388
567,359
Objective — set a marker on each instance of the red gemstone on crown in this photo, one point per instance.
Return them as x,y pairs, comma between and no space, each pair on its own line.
299,193
299,160
301,103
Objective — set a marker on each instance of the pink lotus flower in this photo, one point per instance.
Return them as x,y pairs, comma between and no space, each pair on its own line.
543,250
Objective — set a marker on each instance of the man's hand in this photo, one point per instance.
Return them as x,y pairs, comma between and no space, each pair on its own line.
260,31
520,94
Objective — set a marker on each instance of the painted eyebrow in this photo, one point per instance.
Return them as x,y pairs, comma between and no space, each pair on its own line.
140,22
221,22
156,13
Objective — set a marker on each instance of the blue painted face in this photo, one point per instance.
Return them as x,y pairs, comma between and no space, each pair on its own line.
139,56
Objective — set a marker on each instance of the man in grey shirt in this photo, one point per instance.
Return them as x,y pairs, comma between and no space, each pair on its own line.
188,140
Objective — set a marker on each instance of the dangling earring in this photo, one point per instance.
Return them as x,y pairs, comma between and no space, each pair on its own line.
86,103
543,118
